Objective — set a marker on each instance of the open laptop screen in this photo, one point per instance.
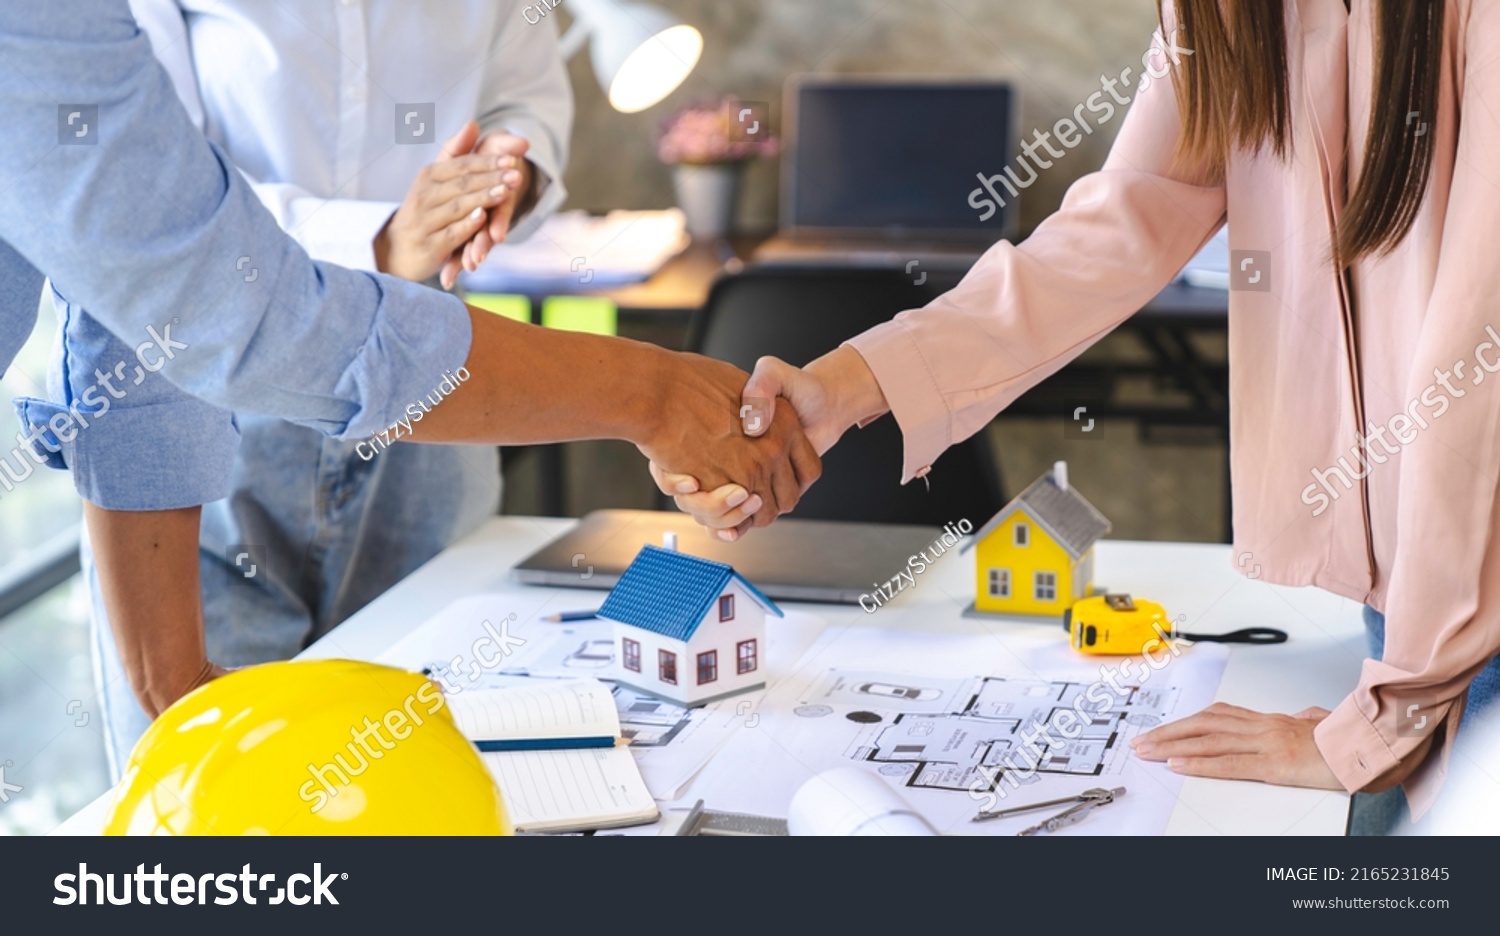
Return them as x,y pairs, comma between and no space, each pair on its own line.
875,156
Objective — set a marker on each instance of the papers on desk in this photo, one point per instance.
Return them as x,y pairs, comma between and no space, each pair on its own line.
1210,268
574,250
929,713
924,714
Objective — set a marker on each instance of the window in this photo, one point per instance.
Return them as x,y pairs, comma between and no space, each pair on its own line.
747,657
631,651
1023,534
726,607
708,667
999,583
40,625
1046,586
666,663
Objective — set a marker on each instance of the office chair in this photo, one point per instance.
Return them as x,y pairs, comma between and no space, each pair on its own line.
799,314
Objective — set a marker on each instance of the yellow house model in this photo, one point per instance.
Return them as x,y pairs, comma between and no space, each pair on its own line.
1036,556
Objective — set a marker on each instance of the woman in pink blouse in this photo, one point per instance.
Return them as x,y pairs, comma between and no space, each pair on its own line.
1353,149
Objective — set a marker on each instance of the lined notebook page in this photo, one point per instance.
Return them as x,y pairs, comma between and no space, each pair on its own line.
582,708
560,791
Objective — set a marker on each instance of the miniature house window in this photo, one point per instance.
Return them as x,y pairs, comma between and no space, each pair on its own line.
708,667
746,656
1046,586
999,583
726,607
1023,534
631,651
666,662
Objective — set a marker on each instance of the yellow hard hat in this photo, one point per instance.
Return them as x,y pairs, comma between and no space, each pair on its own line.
328,747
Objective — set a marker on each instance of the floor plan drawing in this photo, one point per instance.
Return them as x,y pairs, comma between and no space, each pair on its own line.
959,723
966,735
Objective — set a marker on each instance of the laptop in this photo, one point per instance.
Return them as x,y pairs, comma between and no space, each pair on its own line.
791,560
882,172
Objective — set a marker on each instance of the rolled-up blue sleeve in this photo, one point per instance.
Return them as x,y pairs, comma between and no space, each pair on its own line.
132,439
138,219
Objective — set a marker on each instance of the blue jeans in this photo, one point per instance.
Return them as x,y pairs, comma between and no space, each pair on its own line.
1386,813
311,533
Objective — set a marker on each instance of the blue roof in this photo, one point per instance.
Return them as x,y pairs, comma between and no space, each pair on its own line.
670,593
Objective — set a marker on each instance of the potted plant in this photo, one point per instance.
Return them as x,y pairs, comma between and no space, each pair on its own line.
708,145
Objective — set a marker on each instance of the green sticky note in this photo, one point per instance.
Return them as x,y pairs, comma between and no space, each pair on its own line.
511,307
581,314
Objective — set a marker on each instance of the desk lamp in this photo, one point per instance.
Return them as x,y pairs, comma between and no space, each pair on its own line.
641,53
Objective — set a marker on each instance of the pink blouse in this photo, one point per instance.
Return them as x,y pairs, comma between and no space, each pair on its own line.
1364,445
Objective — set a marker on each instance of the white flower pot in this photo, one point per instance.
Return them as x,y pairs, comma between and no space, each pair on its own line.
708,196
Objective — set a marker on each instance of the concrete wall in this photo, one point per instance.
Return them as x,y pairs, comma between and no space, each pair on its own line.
1053,50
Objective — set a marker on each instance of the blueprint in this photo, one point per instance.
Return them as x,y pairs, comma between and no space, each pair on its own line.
967,735
1045,724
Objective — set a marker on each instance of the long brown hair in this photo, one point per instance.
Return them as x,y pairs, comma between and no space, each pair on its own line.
1233,94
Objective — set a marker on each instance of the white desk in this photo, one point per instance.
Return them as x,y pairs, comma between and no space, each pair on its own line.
1316,667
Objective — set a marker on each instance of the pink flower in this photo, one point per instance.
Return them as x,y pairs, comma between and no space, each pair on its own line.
705,134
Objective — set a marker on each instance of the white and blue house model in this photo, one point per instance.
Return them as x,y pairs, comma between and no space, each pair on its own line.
687,629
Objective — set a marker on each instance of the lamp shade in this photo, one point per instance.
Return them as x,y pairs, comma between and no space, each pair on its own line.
640,52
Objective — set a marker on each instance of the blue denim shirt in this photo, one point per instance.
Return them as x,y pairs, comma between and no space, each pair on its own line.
143,223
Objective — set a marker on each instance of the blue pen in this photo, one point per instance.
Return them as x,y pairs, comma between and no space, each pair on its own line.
563,617
545,744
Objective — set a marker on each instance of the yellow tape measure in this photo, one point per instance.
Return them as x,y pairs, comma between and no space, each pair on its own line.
1120,625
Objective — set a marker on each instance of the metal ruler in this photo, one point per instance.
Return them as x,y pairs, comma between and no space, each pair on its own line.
701,821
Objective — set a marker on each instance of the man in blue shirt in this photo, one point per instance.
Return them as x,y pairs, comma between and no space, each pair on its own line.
106,186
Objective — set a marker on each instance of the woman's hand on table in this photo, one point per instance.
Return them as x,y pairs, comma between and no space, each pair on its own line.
1231,743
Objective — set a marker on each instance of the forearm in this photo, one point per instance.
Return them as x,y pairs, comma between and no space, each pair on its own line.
148,573
855,395
531,385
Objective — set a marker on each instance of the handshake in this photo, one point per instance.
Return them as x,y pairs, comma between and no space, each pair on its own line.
737,453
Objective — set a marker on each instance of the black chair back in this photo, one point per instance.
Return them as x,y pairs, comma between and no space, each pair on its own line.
800,314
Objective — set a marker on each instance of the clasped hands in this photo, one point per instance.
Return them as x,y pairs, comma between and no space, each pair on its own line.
779,450
459,208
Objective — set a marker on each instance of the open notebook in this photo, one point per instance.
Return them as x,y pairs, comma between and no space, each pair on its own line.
554,748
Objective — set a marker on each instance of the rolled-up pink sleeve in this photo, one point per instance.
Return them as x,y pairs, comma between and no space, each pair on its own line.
1443,598
1027,309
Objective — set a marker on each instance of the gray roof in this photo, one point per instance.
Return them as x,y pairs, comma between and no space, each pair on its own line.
1064,514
